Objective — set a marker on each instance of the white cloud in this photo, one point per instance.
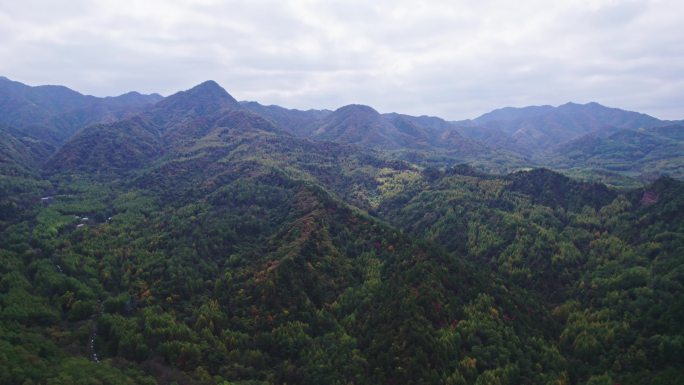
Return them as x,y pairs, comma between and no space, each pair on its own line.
454,59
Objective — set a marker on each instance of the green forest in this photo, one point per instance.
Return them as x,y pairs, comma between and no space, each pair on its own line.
196,246
268,273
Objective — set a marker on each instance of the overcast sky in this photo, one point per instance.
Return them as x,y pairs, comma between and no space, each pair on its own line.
456,59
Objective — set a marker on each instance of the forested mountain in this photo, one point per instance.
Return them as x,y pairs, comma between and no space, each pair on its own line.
538,128
587,140
19,154
503,140
297,122
53,113
362,125
200,240
650,151
36,121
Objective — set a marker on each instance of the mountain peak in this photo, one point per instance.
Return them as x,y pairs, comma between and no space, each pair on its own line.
358,108
573,104
135,97
211,89
202,98
208,84
580,106
513,113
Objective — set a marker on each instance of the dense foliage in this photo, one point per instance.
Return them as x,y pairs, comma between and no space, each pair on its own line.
198,243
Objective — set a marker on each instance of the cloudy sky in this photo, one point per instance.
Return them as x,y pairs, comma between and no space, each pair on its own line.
455,59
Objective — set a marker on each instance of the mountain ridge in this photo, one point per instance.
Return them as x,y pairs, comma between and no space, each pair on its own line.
500,141
203,243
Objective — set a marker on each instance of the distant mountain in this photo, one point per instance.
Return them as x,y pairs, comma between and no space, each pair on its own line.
53,113
189,115
414,136
425,130
431,123
23,105
360,125
646,152
121,146
182,107
537,129
177,122
493,137
581,139
297,122
511,114
505,136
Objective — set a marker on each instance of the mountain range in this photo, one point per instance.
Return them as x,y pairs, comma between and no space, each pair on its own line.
200,240
599,140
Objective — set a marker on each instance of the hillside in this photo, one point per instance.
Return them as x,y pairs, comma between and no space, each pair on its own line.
538,128
361,125
53,113
501,141
21,154
201,240
180,121
297,122
584,140
648,152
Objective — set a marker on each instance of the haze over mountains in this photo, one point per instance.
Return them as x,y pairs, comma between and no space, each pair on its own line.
45,121
61,110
